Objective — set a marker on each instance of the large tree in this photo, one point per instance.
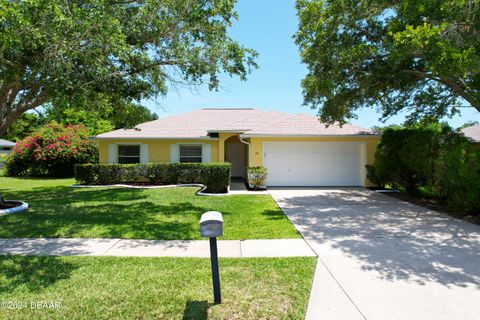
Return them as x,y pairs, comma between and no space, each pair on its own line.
99,114
422,56
125,49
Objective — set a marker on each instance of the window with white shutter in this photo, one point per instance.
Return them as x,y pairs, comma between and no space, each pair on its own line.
191,153
129,154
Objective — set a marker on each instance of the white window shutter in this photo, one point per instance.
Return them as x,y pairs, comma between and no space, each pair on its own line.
206,152
174,153
144,153
112,153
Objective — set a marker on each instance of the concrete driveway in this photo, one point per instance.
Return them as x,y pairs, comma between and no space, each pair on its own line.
382,258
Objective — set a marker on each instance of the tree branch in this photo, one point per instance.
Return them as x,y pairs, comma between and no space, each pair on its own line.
452,84
34,96
143,68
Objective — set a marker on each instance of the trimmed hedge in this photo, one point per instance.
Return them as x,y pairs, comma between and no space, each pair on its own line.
458,173
216,176
407,157
434,158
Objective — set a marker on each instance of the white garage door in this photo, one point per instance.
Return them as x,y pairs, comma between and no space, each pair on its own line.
314,163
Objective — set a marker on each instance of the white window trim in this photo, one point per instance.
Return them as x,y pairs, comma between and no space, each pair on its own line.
190,145
113,151
175,151
139,145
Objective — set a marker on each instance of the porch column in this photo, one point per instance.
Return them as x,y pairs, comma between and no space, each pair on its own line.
221,150
221,145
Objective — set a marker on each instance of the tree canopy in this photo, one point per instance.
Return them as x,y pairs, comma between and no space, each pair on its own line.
100,114
98,117
422,56
80,50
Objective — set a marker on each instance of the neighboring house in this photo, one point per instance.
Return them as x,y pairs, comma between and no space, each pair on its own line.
6,146
297,150
472,133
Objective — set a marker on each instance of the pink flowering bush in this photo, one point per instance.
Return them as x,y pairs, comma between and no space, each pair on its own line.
52,150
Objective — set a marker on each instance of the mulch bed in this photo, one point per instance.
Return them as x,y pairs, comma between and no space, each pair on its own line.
10,204
254,189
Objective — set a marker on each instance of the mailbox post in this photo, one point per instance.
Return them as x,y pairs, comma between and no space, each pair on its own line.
211,226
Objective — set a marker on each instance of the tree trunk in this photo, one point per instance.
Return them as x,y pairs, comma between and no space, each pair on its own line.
7,120
8,94
15,100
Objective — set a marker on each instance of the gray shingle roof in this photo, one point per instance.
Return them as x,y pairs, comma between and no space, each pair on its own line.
307,125
199,123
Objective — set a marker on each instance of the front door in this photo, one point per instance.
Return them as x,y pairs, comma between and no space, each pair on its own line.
235,154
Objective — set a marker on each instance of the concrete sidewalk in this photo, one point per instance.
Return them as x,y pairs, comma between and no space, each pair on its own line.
154,248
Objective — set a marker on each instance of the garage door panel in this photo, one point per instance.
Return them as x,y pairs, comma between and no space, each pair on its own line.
309,148
313,164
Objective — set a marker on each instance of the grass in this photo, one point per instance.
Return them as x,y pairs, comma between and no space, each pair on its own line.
154,288
57,210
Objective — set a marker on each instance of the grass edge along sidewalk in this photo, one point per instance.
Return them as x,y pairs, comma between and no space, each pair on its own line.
155,288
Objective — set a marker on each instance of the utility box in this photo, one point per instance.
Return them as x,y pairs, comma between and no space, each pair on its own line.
211,224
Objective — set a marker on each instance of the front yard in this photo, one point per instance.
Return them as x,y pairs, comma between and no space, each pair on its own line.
145,288
57,210
153,288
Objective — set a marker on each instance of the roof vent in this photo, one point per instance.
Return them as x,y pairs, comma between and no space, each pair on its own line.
213,135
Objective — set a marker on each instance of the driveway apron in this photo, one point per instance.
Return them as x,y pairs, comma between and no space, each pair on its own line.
382,258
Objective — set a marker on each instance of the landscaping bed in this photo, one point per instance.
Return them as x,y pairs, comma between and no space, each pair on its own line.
10,204
57,210
153,288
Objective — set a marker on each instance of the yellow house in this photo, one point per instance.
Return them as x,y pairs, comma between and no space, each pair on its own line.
297,150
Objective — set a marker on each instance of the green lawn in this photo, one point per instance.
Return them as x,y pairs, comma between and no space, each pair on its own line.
154,288
57,210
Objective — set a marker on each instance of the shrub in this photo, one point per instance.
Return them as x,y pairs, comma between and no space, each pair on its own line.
372,176
257,176
458,173
435,160
108,174
216,176
189,172
52,150
407,157
86,173
163,173
3,157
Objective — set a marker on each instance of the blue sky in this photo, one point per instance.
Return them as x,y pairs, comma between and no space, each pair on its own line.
267,26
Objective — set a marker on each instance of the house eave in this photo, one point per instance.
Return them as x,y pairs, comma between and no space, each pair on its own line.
308,135
228,131
154,138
